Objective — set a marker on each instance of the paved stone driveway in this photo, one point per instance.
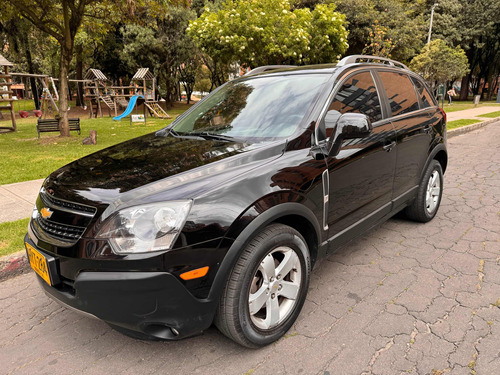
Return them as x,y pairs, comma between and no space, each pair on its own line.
406,298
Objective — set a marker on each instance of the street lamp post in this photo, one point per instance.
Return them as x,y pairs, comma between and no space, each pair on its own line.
430,25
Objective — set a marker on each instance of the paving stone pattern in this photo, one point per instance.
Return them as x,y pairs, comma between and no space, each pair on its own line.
406,298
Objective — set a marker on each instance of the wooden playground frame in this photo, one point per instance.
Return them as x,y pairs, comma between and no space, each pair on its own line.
7,107
95,92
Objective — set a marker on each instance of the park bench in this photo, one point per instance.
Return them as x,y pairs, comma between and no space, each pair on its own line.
52,125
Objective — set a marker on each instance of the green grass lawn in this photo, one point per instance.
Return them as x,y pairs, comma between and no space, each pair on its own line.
459,123
12,236
460,106
491,114
24,157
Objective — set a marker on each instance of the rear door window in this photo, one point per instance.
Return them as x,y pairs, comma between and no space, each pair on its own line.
358,94
400,92
423,93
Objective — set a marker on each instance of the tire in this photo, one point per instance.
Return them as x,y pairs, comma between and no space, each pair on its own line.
430,191
259,304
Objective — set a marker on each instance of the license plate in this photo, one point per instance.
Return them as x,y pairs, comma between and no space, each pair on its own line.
38,262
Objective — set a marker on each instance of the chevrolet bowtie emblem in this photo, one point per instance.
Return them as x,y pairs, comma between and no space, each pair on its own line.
46,212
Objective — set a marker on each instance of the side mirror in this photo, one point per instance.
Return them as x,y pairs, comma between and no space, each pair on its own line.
348,126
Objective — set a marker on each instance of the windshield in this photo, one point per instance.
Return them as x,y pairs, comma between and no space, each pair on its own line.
263,108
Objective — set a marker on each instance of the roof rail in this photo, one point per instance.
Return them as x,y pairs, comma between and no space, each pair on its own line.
266,68
369,59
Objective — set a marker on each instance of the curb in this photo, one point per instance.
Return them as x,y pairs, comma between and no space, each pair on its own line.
13,265
465,129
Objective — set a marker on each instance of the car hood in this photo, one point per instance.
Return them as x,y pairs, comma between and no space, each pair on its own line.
152,164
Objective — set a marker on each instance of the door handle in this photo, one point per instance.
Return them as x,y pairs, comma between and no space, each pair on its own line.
427,129
389,146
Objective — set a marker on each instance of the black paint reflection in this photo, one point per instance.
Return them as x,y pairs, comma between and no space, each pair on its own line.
400,91
140,161
358,95
425,96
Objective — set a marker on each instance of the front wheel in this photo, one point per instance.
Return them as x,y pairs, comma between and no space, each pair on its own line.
266,289
430,191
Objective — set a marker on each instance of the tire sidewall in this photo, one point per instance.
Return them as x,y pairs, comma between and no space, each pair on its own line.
255,335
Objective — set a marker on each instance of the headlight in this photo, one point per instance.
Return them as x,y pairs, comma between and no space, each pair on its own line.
146,228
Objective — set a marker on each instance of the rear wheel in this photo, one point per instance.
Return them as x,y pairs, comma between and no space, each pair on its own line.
266,289
430,191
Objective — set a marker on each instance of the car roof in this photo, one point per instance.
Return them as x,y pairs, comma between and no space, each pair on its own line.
346,62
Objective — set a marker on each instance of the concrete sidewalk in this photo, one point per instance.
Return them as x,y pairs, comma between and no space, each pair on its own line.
473,113
17,200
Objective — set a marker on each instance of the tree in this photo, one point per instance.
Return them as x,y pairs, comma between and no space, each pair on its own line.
61,20
404,20
379,44
439,63
475,26
187,72
265,32
21,38
163,46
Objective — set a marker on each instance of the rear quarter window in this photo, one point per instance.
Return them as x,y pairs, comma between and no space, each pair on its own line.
400,92
425,96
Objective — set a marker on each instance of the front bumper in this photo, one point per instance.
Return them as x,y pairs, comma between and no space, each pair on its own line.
153,303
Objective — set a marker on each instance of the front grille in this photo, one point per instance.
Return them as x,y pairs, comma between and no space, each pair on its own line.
59,203
60,231
64,222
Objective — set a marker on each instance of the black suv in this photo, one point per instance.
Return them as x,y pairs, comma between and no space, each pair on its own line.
220,216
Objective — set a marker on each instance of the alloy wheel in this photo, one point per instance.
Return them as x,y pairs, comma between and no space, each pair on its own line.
275,288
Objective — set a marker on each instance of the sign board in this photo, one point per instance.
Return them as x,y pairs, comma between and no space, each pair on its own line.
137,118
441,90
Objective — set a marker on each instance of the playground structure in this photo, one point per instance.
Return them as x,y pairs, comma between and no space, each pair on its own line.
155,110
134,100
143,83
49,97
95,91
7,82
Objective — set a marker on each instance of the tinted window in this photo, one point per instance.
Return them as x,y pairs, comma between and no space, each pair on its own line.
256,109
359,95
424,94
400,91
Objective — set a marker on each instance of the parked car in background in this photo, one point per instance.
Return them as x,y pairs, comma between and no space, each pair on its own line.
220,216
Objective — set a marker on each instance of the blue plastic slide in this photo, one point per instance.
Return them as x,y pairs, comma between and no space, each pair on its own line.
130,107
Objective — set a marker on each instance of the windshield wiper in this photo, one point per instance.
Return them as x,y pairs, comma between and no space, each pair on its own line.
208,135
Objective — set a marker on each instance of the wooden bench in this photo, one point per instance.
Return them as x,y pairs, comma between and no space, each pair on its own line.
52,125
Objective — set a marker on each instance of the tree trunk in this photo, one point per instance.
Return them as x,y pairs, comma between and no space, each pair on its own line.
464,89
31,69
79,75
492,87
66,55
63,92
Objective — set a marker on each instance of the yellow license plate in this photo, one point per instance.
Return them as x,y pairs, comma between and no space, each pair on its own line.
38,262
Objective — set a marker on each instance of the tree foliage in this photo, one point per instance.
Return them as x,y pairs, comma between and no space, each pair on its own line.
439,63
264,32
379,44
164,47
61,20
475,26
404,21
